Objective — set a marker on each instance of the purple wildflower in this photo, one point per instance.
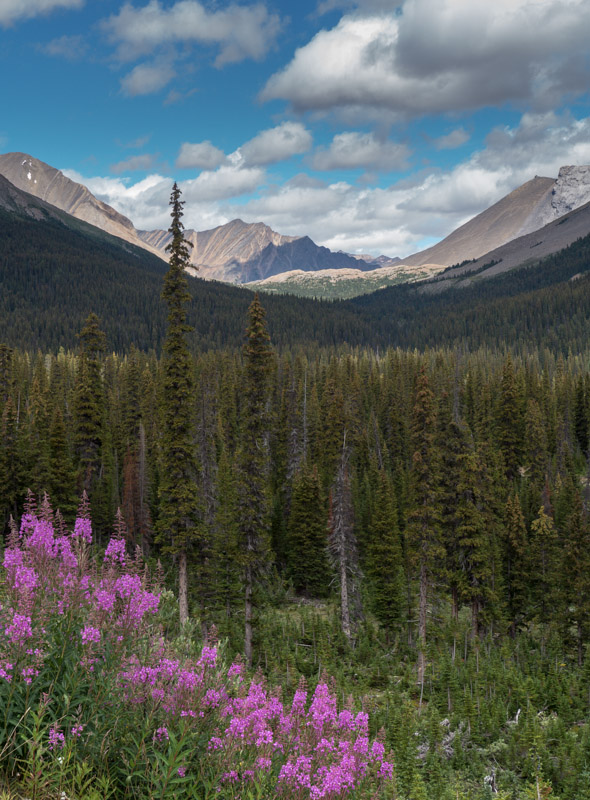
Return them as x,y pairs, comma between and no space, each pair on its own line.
115,552
56,738
90,634
83,530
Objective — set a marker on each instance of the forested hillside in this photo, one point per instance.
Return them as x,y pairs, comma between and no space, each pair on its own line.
52,277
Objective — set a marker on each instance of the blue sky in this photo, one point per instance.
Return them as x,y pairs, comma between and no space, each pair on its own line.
371,126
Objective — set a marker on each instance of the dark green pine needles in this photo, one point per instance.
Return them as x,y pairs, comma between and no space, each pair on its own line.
178,524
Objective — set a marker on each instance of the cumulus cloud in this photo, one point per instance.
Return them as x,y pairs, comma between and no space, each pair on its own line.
277,144
452,140
145,203
239,32
147,78
134,163
225,182
13,10
397,220
354,150
201,155
441,56
71,48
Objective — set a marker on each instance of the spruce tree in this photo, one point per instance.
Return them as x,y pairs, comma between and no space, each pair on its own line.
342,545
475,539
509,420
62,480
515,563
307,531
253,462
574,586
384,558
423,530
178,524
543,565
89,404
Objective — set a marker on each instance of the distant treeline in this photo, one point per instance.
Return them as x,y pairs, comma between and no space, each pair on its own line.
51,277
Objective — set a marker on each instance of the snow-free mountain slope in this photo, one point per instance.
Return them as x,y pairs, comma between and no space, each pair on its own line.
493,227
526,209
51,185
236,252
521,252
240,252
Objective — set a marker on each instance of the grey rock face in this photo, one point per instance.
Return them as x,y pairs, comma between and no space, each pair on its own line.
571,190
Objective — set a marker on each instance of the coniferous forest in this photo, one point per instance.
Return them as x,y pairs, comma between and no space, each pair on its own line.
302,569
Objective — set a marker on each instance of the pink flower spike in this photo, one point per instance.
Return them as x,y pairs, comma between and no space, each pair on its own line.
90,634
83,530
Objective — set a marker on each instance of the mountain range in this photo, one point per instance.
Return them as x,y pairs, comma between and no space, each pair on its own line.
55,269
255,255
236,252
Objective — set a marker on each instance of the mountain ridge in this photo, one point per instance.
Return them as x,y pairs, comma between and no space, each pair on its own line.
235,252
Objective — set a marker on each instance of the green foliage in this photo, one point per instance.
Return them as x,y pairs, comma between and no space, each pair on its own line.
307,535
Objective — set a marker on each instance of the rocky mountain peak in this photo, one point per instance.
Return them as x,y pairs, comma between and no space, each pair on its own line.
31,175
571,190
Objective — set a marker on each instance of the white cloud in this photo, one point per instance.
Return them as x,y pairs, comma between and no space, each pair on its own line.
277,144
239,32
145,203
140,162
452,140
397,220
354,150
442,56
225,182
147,78
12,10
201,155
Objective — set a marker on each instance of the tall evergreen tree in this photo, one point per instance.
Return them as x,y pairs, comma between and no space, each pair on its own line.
89,402
509,420
543,565
178,524
384,558
423,529
307,531
515,563
253,462
342,545
475,535
574,586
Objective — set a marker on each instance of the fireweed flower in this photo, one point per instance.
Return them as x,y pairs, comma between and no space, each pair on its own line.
161,735
56,738
90,634
377,751
20,629
29,673
42,540
83,530
115,551
318,752
235,670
